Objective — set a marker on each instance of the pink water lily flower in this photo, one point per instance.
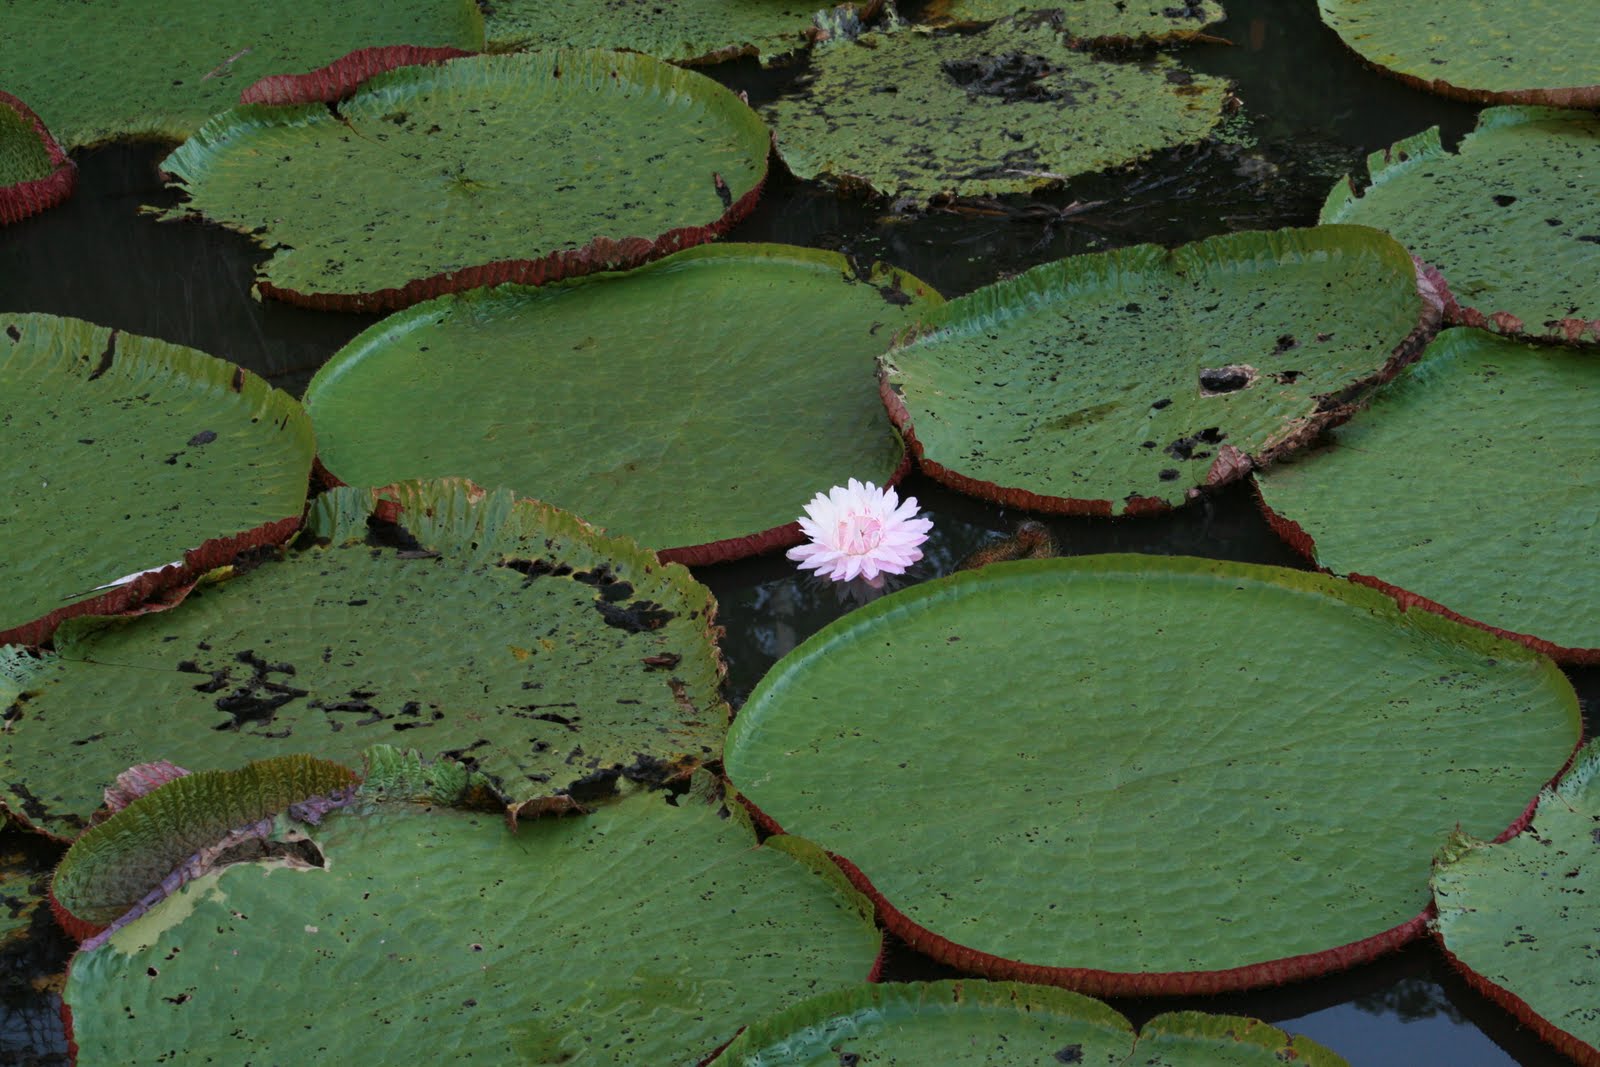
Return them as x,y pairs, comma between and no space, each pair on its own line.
860,531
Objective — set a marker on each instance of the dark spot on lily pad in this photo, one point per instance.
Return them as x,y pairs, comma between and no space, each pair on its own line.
204,437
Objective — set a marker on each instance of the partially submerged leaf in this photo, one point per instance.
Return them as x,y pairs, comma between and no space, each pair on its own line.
647,932
1472,482
608,396
508,636
480,170
144,847
1129,380
131,466
1519,918
1011,109
683,31
1510,218
35,173
1485,51
1135,775
98,69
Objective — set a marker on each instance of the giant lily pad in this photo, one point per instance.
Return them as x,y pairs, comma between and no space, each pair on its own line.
512,637
608,396
1485,51
647,933
968,1023
1128,380
1519,918
1186,775
1097,19
1510,218
111,68
485,169
131,465
1473,483
685,31
34,173
1010,109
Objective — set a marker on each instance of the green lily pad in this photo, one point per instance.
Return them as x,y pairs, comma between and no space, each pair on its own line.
101,69
115,863
131,465
1485,51
685,31
1510,218
1198,1039
1128,381
511,637
476,171
1194,775
647,932
1473,482
1010,109
1519,918
536,376
35,173
1112,20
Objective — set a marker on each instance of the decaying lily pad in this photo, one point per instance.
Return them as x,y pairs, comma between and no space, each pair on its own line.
131,466
970,1023
683,31
1485,51
1473,482
1097,19
1519,918
35,173
479,170
1510,218
511,637
1194,775
608,396
99,69
1127,381
647,932
920,113
193,819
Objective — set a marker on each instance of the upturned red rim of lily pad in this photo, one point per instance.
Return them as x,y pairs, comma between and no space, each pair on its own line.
26,199
1102,983
1295,536
344,76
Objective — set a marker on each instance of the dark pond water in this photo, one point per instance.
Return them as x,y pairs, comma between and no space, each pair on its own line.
1314,111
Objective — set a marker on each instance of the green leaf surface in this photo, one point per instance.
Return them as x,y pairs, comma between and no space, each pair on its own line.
1510,218
1198,1039
1126,381
479,170
1521,917
1485,51
122,453
645,933
1474,481
35,173
117,862
1010,109
1096,19
684,31
99,69
1148,774
509,636
23,156
609,396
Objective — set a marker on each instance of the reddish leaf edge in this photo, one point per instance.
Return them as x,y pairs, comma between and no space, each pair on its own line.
600,254
1567,331
1230,465
1295,536
158,589
339,80
1568,1044
26,199
1574,96
1266,974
